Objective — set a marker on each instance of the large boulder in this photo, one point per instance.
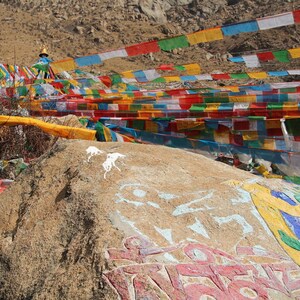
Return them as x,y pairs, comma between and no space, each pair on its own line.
107,220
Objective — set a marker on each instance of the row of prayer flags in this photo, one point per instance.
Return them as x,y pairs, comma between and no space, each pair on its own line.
182,41
254,60
140,76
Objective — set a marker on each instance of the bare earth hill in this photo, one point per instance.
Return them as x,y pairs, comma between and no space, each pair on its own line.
71,28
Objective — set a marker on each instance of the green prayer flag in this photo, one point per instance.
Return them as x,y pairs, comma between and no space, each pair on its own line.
288,90
207,134
95,92
282,56
253,144
100,132
82,106
41,67
39,81
197,107
116,78
138,124
83,121
216,99
159,79
22,90
293,126
129,93
180,68
239,75
135,107
163,119
256,118
173,43
272,106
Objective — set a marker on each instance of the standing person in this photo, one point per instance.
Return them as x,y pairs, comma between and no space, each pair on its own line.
42,65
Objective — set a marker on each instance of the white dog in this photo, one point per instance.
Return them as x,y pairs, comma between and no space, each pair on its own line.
110,162
92,151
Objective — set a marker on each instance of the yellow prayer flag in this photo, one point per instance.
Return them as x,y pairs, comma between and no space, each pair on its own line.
147,107
290,106
88,91
150,114
2,72
172,78
273,123
151,126
295,53
210,107
192,69
53,129
269,144
107,134
74,81
63,65
188,124
244,98
11,68
160,94
258,75
92,106
250,136
232,88
204,36
127,74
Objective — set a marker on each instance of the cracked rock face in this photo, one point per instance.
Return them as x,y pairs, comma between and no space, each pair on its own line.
49,236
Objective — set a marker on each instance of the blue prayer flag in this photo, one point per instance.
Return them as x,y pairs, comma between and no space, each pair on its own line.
233,29
88,60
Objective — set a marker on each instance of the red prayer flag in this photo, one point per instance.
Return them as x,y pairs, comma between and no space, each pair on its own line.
123,107
236,139
265,56
166,67
106,80
274,132
296,14
175,92
142,48
220,76
258,106
137,93
57,85
241,125
297,138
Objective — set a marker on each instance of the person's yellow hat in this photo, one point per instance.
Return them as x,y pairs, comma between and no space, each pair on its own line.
43,51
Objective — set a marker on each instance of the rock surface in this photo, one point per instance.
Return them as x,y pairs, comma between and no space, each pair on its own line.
87,217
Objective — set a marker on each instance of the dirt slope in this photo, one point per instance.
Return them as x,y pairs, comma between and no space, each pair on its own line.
72,28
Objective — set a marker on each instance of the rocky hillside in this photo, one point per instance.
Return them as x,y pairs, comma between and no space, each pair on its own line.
71,28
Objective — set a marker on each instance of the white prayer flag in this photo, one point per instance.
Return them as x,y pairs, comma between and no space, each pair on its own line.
251,61
276,21
113,54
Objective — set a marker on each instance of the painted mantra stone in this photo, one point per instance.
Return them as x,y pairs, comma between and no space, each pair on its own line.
250,274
